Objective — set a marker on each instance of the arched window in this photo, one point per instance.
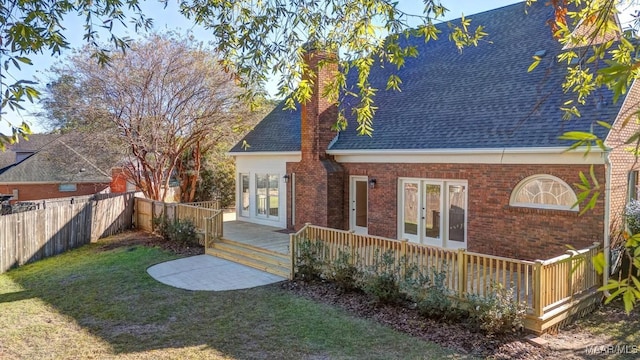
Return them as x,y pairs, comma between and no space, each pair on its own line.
544,192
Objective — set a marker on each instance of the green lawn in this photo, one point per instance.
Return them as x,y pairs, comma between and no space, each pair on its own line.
95,303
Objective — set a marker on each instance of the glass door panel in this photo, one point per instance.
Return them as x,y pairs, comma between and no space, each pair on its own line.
432,210
361,203
457,211
261,194
244,193
274,195
410,211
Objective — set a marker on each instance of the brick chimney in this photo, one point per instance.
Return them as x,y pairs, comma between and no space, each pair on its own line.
319,179
318,114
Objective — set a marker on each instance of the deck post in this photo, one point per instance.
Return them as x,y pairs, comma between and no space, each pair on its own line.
403,256
206,233
352,247
292,254
462,273
537,289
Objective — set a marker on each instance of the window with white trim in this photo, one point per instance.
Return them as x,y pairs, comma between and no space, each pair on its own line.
544,191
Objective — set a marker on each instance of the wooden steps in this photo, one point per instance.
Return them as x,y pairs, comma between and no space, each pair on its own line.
253,256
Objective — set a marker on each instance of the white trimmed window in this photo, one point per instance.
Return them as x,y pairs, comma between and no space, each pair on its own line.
544,192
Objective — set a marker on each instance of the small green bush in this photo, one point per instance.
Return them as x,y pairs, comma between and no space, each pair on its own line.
343,273
309,263
382,281
498,313
436,301
179,231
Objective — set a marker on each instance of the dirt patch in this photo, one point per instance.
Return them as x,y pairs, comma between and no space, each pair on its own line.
133,238
569,343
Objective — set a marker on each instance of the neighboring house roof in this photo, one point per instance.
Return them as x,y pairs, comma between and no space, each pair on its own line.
70,158
35,143
480,98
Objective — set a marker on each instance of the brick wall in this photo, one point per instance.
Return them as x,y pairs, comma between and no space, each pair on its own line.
318,178
50,191
622,161
493,226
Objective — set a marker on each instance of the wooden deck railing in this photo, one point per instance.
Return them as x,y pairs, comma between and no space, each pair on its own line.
213,229
214,204
148,210
552,289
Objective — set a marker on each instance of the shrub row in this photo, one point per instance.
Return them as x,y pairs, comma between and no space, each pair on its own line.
389,283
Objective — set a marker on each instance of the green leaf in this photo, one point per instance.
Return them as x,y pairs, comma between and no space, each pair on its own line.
629,300
534,64
598,262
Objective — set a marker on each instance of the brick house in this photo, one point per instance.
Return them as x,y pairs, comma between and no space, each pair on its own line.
467,155
53,166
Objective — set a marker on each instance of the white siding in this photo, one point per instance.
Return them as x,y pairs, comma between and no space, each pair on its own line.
263,164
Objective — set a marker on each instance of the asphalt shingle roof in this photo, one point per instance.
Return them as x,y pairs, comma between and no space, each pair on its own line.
278,131
59,159
482,97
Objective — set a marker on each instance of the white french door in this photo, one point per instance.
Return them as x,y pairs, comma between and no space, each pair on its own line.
244,195
433,212
358,204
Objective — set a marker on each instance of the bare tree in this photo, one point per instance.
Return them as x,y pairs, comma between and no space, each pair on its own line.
165,96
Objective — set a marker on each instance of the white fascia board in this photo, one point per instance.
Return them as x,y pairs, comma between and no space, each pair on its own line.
265,153
547,155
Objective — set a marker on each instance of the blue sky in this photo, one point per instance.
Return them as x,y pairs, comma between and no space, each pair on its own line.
170,19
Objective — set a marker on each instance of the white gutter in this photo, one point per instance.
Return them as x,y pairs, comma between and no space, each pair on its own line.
264,153
607,214
528,150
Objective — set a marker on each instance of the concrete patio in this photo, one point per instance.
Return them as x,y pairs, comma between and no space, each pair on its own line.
205,272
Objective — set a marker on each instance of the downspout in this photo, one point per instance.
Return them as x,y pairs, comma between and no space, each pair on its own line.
607,214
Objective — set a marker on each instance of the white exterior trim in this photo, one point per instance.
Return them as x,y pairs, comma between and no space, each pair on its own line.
523,182
353,201
474,156
444,203
269,163
266,153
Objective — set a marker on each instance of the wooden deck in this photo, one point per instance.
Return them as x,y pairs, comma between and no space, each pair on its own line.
265,237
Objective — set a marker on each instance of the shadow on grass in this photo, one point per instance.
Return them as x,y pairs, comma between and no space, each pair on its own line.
15,296
110,294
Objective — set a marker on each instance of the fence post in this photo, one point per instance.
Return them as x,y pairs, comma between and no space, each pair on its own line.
462,273
537,289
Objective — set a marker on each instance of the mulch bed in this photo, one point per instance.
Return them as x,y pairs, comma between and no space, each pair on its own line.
405,318
132,238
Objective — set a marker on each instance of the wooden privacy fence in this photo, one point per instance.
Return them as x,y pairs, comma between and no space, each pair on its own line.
206,218
60,226
553,290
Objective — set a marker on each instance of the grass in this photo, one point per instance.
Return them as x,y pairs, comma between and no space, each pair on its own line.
616,328
97,303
